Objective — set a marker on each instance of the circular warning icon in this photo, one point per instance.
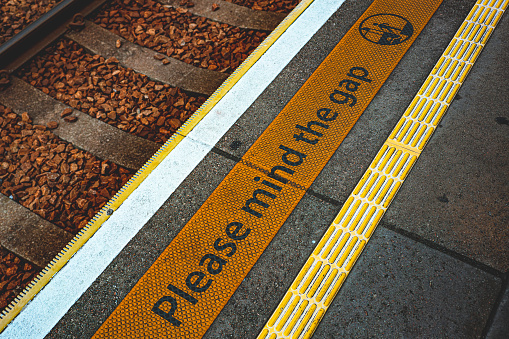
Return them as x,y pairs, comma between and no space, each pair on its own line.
386,29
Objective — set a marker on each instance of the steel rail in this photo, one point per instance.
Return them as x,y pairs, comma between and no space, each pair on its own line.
43,31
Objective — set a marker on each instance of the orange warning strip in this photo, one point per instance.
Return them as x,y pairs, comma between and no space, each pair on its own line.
185,289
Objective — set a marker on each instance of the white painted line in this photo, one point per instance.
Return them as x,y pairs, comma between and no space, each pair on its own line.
53,301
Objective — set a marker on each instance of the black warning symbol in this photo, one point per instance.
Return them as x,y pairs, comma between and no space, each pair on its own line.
386,29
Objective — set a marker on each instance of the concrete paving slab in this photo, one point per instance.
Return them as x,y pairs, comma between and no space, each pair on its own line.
399,287
500,327
458,194
403,289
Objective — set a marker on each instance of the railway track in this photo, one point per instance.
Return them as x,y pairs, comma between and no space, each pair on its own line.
17,15
84,109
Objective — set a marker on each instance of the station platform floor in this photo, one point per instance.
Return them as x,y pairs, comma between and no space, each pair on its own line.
437,264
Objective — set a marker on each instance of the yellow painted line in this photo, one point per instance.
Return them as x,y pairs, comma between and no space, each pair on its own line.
332,261
185,289
15,307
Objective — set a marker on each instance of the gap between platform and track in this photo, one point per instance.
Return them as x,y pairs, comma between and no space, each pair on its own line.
67,277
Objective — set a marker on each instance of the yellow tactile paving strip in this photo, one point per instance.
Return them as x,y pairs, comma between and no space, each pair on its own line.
318,282
189,284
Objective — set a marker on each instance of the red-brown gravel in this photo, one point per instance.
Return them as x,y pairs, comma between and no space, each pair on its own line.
107,91
17,14
15,274
62,184
278,6
179,34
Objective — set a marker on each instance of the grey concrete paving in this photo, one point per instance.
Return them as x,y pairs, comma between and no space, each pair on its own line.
480,182
500,327
458,193
403,289
399,288
408,283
